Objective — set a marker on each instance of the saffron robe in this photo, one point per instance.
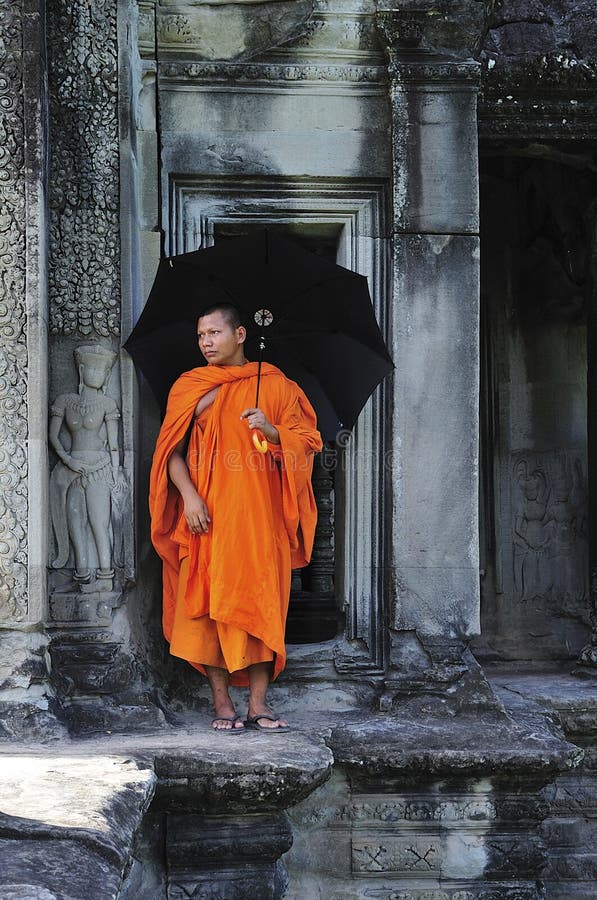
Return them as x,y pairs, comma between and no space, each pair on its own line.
262,508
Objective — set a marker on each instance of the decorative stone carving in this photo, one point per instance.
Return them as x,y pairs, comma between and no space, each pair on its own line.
271,72
550,529
84,250
175,30
404,855
88,487
13,341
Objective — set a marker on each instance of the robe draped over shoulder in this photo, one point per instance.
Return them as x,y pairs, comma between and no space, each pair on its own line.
262,508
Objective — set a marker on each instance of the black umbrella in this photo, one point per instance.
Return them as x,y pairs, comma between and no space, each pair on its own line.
323,333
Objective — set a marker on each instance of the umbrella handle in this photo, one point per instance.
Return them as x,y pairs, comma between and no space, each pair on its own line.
259,442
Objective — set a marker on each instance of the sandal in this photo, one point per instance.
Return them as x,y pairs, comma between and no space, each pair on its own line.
253,723
232,720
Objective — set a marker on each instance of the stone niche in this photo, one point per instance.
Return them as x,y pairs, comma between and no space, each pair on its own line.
534,534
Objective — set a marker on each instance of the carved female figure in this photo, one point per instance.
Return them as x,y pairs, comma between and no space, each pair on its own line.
82,482
531,539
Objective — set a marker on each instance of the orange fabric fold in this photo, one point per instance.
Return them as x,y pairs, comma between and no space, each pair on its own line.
205,642
262,508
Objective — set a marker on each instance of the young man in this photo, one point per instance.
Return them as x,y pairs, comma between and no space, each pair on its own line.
229,521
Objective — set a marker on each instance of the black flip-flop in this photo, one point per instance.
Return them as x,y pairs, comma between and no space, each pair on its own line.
253,723
232,729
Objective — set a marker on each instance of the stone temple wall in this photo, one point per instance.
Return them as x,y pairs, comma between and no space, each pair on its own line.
129,129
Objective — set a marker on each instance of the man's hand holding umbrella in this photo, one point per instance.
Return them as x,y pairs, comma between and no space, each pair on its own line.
263,429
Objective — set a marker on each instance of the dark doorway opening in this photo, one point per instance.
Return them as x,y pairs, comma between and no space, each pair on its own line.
537,292
313,615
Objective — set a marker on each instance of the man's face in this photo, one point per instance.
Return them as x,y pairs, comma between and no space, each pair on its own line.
220,344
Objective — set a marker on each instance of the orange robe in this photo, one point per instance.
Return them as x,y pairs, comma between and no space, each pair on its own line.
262,507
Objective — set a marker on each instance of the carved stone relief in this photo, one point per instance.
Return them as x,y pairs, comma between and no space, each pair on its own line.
392,854
550,529
13,340
84,199
88,488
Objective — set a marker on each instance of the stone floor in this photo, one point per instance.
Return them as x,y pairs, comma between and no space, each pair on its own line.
71,812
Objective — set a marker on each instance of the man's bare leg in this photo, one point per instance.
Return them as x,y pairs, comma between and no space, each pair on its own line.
260,675
223,705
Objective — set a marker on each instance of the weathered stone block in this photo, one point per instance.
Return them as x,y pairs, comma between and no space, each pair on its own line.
434,441
435,185
212,855
67,823
208,32
199,783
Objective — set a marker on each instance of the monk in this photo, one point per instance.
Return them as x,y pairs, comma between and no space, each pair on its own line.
229,520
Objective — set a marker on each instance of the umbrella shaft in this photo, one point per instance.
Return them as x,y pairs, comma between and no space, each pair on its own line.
258,381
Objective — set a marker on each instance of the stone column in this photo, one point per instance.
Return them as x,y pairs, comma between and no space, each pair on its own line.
91,562
23,377
432,478
588,655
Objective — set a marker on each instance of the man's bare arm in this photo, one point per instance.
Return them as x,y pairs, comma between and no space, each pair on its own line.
195,509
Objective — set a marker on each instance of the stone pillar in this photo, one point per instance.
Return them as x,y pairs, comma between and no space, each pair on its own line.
23,376
91,562
588,656
432,477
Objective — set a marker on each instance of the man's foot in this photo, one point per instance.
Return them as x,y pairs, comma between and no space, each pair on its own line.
231,723
263,719
225,718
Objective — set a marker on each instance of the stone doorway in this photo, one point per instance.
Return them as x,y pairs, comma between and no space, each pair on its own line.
336,603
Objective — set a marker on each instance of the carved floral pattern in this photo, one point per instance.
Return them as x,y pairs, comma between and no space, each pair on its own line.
13,341
84,175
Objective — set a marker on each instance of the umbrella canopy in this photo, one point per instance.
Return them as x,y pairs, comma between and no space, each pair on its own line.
323,334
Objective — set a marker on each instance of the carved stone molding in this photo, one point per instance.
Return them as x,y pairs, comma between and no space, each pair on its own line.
213,857
270,73
224,30
436,72
84,175
13,339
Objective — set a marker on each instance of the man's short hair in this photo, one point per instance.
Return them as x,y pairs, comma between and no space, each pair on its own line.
229,312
